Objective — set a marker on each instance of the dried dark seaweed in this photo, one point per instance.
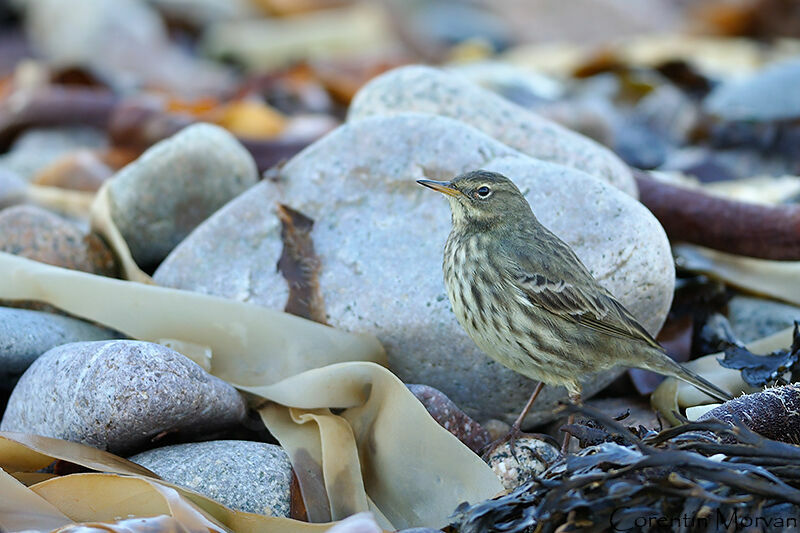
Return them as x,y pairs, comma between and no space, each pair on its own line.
698,477
716,335
761,370
757,370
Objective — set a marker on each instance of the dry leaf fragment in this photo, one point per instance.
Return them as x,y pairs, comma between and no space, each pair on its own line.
300,265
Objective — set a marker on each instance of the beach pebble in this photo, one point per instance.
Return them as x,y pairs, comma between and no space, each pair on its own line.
38,148
25,335
530,457
119,395
254,477
760,97
80,170
161,197
430,90
754,318
380,239
451,418
38,234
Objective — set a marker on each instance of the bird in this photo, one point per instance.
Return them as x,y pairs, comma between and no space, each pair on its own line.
527,301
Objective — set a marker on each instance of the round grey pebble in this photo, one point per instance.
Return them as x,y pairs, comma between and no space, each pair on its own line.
118,395
754,318
25,335
246,476
157,200
764,96
38,148
451,417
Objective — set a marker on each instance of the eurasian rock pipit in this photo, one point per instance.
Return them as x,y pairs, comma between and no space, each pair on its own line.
528,302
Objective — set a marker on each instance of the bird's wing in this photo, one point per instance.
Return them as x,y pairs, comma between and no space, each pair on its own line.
575,295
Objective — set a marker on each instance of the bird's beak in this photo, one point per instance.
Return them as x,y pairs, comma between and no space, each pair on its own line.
443,187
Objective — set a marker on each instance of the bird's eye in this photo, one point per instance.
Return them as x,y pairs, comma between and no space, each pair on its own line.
483,192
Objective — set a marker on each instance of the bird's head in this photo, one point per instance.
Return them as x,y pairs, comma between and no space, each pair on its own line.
482,197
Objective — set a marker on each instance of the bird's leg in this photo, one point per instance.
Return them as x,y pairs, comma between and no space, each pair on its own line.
575,399
516,427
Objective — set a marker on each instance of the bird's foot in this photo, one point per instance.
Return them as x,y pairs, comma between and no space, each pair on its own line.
511,438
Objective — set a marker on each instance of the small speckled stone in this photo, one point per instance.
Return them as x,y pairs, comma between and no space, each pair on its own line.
38,234
255,477
451,418
430,90
161,197
754,318
118,395
81,170
25,335
533,456
380,238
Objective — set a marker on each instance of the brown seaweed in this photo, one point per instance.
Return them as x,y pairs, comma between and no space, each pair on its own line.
694,216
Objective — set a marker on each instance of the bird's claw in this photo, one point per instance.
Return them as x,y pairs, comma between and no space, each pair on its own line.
511,438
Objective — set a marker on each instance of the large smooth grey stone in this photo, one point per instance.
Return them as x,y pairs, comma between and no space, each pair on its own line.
118,395
430,90
380,237
770,94
161,197
247,476
25,335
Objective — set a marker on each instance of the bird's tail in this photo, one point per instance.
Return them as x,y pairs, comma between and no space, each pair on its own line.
665,365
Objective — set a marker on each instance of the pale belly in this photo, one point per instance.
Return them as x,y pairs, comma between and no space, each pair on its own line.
501,328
